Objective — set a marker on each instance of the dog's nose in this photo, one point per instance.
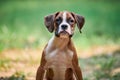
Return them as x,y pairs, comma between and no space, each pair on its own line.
64,27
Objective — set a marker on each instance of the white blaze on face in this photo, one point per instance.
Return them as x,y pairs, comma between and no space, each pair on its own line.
64,22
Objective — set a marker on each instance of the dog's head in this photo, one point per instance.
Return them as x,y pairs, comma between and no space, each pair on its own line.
63,23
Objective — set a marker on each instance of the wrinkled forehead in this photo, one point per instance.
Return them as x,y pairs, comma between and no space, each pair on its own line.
65,14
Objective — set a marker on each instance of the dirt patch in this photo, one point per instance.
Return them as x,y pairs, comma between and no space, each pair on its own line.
26,61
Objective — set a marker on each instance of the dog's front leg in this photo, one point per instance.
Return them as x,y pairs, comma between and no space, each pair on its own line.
76,69
41,70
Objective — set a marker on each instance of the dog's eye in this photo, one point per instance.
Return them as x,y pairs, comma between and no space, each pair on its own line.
71,21
58,20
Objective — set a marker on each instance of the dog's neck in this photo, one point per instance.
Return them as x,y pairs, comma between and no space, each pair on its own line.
59,43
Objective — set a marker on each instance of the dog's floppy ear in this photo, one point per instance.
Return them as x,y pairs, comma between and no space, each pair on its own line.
49,22
79,20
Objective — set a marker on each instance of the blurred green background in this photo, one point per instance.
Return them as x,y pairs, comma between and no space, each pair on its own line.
22,22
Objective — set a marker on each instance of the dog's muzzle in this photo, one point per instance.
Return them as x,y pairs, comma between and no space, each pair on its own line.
62,31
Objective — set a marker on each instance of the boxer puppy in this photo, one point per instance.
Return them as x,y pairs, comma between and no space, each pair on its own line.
59,58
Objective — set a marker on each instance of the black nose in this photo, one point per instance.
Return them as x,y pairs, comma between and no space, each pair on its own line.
64,27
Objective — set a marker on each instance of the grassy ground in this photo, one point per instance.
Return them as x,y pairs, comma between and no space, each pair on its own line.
103,67
23,35
23,65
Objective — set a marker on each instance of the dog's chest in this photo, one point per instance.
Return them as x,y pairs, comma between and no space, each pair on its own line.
59,61
59,57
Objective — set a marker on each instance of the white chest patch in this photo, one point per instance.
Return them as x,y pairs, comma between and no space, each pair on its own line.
59,53
59,61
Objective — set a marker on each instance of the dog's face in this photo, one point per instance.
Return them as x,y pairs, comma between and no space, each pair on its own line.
63,23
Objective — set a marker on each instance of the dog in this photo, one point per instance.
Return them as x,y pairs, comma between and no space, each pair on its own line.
59,58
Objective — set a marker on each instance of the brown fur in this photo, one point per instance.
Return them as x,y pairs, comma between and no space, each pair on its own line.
74,69
63,65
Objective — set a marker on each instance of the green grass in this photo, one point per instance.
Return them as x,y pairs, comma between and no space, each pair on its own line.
4,64
101,67
16,76
21,21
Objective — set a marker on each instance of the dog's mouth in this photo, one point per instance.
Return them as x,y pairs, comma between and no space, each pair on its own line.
64,34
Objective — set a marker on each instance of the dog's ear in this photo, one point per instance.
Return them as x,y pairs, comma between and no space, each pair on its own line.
49,22
79,20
